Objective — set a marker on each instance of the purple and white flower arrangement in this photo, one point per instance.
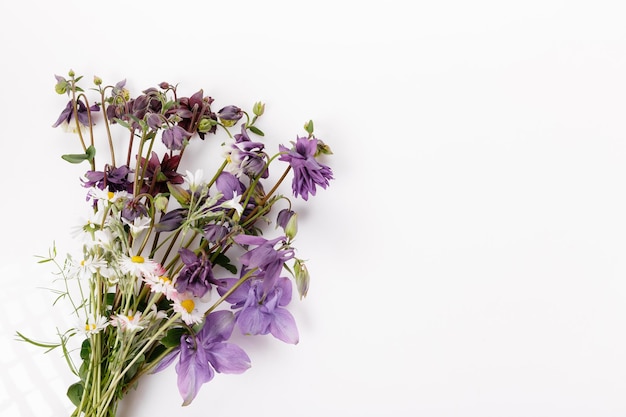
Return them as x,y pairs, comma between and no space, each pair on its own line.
174,261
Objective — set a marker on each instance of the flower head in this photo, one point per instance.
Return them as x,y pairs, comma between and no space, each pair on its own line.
308,172
66,116
261,313
200,356
265,257
197,274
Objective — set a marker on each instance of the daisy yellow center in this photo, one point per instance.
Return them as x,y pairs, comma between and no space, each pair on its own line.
110,195
137,259
90,327
188,305
82,263
165,280
131,318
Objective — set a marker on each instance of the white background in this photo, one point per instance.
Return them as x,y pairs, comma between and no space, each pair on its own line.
468,259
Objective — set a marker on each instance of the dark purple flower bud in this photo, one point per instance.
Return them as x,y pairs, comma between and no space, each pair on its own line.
283,217
175,137
230,115
215,232
134,209
155,121
171,220
197,274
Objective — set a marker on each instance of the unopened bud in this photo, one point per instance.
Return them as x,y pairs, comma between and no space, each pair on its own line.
258,109
61,87
205,125
308,126
97,80
160,202
301,274
179,193
292,227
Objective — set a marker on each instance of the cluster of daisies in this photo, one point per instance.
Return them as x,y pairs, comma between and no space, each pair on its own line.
174,262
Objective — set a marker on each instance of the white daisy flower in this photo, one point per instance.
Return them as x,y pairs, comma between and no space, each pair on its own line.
138,266
93,325
89,266
160,284
190,308
106,195
128,322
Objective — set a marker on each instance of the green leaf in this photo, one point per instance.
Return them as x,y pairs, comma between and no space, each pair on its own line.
224,261
40,344
77,158
172,338
75,393
132,371
256,130
109,298
85,350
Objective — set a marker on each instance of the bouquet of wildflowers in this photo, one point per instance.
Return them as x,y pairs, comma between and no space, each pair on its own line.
174,262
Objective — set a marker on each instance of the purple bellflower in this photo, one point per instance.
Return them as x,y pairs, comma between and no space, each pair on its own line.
114,179
174,137
67,114
259,314
201,356
308,172
265,257
197,274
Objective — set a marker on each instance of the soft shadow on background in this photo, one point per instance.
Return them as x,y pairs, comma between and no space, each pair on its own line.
468,260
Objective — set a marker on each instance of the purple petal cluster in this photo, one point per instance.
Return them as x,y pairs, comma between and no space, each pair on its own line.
82,113
208,352
265,257
112,178
260,314
197,274
248,155
308,172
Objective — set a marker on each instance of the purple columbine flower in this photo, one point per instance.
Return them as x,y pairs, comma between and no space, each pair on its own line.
262,314
308,172
82,112
247,157
174,137
230,115
197,274
200,356
114,179
265,257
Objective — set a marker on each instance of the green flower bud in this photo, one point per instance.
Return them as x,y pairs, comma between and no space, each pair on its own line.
302,277
160,202
97,80
308,126
205,125
291,229
71,73
61,87
180,194
258,109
